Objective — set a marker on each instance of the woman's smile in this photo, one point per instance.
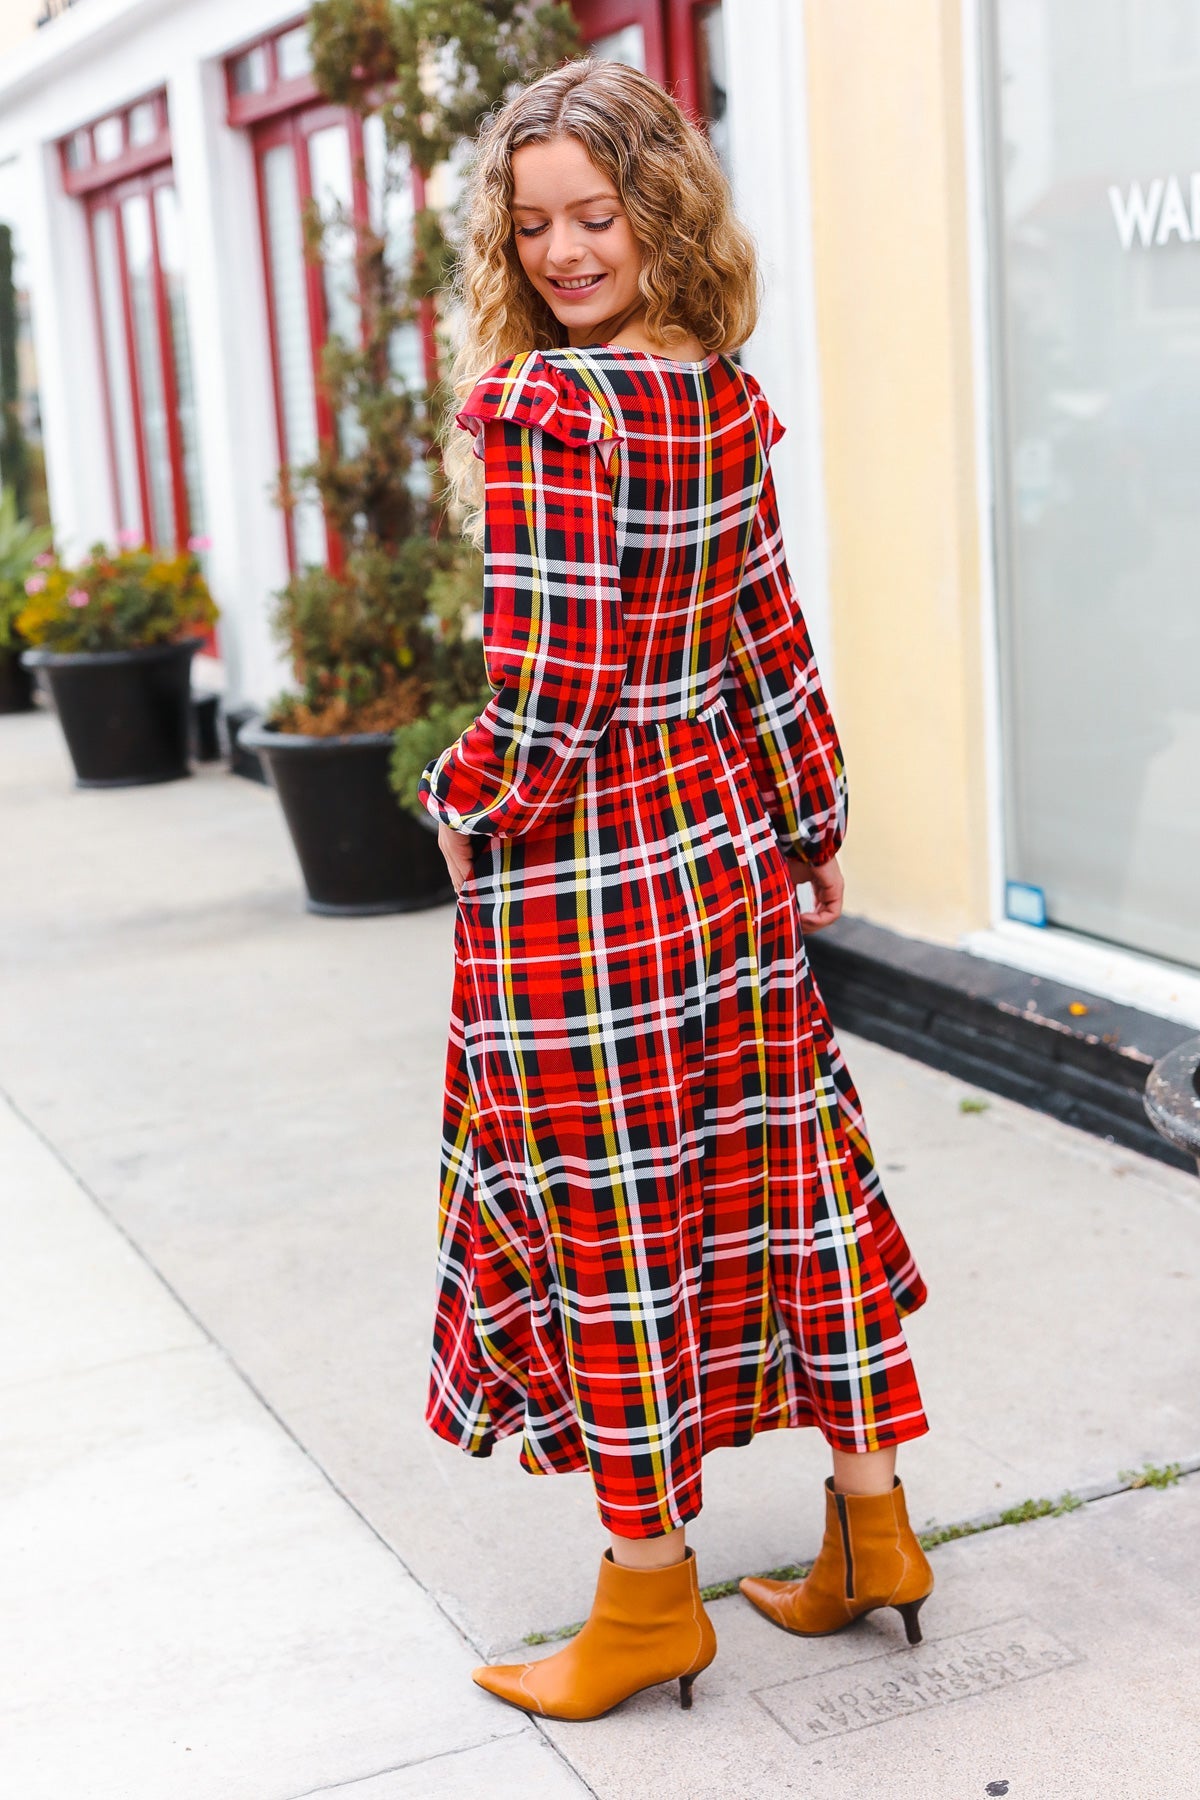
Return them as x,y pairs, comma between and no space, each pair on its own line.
565,211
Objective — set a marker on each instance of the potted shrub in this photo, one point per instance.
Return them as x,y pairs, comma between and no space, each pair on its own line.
23,549
383,642
373,647
114,637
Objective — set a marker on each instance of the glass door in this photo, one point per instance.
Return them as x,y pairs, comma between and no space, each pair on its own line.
137,250
291,339
1096,210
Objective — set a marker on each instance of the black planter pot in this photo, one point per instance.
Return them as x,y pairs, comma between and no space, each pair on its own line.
124,713
16,684
359,851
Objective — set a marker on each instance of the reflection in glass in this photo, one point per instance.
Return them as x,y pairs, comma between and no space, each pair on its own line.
292,56
292,346
116,369
713,79
143,122
1162,39
329,165
22,459
1100,347
250,71
170,254
139,266
108,138
627,45
406,354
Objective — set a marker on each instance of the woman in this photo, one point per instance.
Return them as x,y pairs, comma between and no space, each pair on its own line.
661,1227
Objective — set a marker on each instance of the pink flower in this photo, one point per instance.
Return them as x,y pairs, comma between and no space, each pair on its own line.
34,584
357,72
77,597
199,543
129,540
44,560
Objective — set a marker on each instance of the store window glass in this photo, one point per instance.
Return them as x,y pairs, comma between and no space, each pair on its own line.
116,367
292,53
1097,234
392,214
312,154
108,137
22,465
148,358
712,79
147,364
295,379
143,123
137,243
170,255
333,191
680,43
250,72
628,45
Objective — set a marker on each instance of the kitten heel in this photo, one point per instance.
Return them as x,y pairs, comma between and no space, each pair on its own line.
912,1625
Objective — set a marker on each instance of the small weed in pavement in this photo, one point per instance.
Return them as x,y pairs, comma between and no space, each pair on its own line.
1150,1476
552,1637
971,1103
1040,1509
1012,1515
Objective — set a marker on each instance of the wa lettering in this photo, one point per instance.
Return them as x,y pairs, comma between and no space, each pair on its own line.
1158,214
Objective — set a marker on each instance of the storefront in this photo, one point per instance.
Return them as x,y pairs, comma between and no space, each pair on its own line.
1004,254
155,162
1095,235
979,228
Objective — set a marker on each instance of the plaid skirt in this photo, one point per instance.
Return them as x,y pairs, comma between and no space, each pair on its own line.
662,1229
661,1226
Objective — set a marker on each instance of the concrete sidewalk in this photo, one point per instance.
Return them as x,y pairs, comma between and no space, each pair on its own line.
241,1569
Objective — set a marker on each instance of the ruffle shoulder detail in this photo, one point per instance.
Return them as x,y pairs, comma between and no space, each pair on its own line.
528,390
770,428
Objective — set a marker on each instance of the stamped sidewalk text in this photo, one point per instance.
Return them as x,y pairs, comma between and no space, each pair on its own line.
908,1681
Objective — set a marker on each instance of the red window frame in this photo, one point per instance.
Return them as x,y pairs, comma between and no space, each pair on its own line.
289,112
85,177
112,198
670,30
293,130
104,186
279,95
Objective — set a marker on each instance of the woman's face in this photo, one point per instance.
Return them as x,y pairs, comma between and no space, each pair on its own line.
573,239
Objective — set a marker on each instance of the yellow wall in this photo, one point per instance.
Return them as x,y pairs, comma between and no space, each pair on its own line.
893,324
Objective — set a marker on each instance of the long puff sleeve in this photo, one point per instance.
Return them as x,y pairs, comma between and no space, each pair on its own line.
773,687
554,641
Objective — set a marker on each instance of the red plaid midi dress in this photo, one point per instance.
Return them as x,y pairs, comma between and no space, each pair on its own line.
661,1226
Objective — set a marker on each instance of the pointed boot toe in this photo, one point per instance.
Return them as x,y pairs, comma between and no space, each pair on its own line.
507,1682
645,1627
765,1595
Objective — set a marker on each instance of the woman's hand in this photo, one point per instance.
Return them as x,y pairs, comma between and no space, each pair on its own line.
457,851
828,886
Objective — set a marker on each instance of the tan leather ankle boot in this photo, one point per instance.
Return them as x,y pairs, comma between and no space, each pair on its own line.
645,1626
870,1558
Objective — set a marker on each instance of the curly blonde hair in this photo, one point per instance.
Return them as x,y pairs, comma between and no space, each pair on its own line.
699,274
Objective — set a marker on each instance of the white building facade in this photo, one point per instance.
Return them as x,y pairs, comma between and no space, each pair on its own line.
154,158
980,235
